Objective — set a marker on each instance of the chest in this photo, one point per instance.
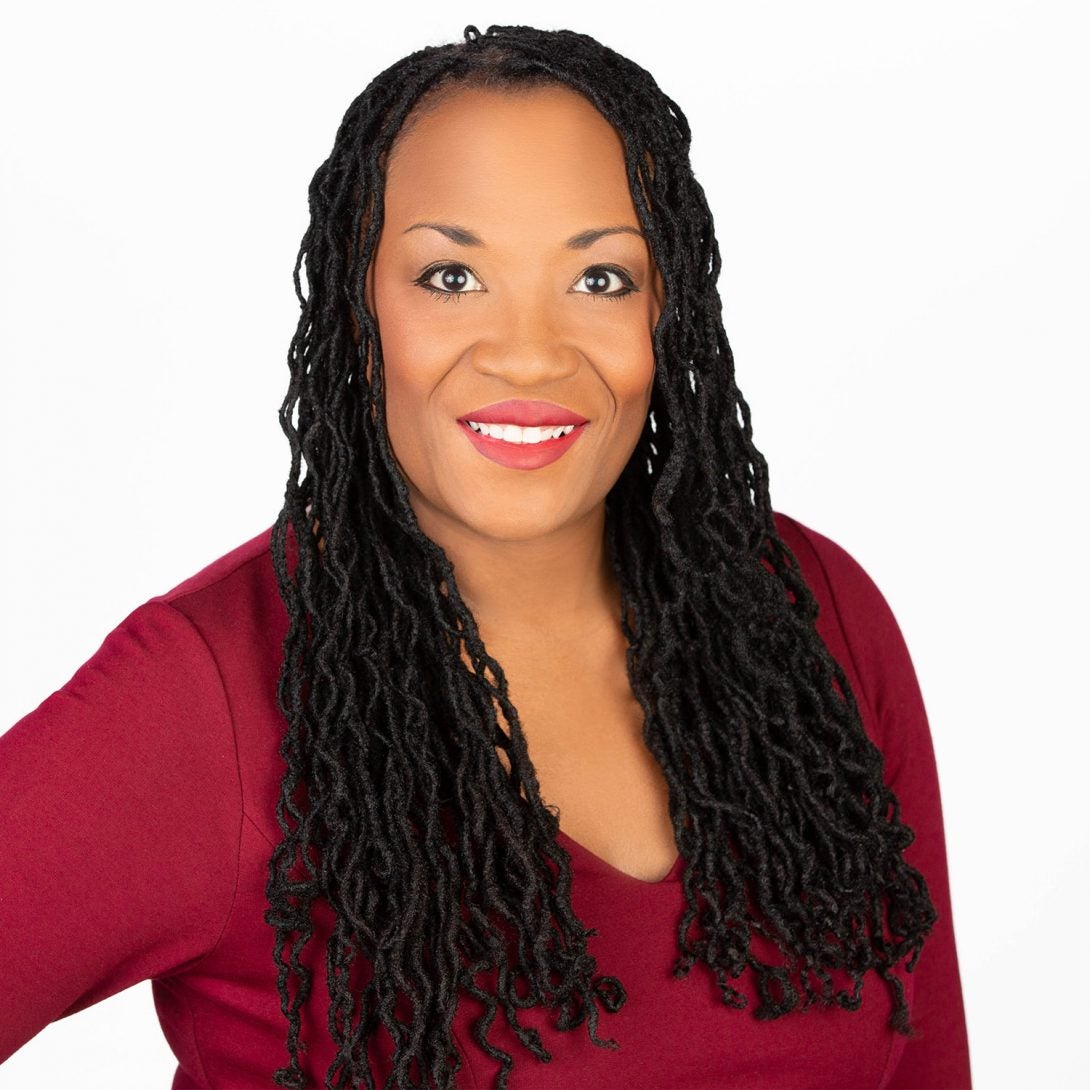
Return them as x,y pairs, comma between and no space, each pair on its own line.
584,733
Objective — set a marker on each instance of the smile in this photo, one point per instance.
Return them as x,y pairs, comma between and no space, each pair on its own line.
516,433
522,448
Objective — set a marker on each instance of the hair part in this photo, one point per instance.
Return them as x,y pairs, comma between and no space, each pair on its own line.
438,859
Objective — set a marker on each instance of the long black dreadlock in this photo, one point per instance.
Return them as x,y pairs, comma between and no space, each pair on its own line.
431,851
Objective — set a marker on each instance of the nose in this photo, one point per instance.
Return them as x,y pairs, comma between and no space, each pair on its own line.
525,346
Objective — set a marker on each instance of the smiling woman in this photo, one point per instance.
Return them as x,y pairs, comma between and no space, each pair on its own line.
527,680
528,178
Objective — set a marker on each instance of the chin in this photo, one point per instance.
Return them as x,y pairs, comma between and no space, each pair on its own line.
513,527
522,520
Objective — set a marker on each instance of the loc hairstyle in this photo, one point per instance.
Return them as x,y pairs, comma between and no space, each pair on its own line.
440,861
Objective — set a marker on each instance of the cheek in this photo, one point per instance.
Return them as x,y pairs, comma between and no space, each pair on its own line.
411,374
413,370
632,374
411,355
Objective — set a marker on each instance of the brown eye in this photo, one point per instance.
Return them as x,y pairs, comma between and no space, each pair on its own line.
604,281
450,279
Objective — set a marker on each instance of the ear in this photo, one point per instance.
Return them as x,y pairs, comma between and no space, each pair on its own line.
357,333
369,296
368,285
369,299
658,289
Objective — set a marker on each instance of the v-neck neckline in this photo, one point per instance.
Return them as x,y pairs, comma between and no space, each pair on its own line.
672,875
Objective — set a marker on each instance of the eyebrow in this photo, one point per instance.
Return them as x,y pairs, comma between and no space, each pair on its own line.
462,237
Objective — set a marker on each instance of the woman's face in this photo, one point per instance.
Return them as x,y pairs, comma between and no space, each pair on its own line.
495,280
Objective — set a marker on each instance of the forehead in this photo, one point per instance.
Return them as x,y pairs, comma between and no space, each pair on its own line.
537,158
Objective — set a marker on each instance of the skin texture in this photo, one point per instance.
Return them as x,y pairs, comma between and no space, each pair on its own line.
524,172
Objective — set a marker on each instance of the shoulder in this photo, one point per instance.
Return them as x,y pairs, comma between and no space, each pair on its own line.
842,586
179,650
857,623
231,574
173,650
233,602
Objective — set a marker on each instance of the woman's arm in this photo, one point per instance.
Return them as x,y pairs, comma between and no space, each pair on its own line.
120,824
938,1059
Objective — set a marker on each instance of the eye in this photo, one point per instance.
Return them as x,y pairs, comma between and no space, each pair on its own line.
596,281
449,279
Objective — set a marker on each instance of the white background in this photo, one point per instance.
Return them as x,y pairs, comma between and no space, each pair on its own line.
900,196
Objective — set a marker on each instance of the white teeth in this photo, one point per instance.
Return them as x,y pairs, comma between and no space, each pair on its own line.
513,433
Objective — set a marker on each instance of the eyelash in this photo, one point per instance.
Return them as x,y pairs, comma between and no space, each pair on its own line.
616,296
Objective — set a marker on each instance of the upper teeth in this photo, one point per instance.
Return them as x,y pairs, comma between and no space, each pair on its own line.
513,433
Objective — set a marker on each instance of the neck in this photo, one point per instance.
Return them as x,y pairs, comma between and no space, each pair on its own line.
558,583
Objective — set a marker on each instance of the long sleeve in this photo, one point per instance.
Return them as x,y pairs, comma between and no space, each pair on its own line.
120,822
938,1058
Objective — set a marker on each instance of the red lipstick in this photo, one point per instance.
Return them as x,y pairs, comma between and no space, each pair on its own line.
524,414
527,414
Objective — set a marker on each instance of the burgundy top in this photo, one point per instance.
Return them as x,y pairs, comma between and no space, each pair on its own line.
138,818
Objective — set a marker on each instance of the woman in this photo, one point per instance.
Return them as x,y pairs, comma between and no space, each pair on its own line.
530,578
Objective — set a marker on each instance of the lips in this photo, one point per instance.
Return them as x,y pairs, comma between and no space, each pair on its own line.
523,455
527,414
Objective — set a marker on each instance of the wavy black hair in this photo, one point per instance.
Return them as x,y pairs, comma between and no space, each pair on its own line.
439,860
